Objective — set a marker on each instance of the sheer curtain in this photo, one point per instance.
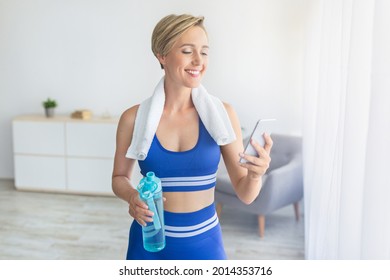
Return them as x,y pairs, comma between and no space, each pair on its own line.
347,130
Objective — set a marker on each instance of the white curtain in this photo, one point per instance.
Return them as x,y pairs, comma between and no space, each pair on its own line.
347,130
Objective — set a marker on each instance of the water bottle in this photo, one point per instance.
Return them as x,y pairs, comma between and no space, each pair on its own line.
150,191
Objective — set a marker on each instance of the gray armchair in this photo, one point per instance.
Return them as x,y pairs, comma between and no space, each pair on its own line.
282,184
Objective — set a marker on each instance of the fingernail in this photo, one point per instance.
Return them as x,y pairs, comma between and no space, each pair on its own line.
241,154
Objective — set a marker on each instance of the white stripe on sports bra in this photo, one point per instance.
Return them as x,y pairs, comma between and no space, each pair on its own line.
192,178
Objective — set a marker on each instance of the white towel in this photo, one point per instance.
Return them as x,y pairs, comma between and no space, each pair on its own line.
210,109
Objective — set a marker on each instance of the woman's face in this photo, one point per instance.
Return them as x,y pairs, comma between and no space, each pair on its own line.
186,63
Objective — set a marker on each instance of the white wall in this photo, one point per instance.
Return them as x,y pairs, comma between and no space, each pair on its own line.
96,55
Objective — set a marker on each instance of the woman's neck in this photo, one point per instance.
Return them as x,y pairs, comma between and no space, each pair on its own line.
177,98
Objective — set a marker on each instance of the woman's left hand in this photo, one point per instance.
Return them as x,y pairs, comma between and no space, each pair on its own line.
257,166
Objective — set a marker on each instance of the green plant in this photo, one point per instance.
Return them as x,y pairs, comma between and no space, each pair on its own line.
49,103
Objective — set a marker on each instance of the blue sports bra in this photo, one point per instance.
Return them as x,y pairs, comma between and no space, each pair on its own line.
192,170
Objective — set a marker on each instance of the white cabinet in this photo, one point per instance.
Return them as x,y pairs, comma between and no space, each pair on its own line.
89,174
64,154
40,172
42,138
91,139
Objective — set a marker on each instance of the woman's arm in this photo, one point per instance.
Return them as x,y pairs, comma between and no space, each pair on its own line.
123,168
246,178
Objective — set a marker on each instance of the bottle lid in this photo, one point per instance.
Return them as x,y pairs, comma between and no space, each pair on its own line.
149,185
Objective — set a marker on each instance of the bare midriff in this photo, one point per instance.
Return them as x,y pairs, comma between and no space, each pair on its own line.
185,202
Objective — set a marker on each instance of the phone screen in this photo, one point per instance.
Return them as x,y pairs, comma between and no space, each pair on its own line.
262,126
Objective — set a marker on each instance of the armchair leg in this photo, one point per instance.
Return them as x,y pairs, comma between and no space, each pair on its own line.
218,208
296,210
261,220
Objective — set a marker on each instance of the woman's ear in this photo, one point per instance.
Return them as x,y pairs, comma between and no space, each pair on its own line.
161,59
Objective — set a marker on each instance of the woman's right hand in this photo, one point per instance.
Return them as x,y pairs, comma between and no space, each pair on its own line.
139,210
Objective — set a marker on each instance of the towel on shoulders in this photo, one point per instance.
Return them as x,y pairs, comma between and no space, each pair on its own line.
210,109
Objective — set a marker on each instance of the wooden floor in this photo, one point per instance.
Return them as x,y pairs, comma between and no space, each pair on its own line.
47,226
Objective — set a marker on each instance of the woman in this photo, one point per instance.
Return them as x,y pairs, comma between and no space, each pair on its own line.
183,148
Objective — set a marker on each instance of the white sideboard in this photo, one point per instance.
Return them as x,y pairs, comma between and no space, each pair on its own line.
64,154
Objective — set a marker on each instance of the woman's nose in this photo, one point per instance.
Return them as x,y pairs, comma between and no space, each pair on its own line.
197,59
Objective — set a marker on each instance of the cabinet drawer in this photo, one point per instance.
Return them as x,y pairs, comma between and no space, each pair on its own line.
38,172
90,175
39,138
91,140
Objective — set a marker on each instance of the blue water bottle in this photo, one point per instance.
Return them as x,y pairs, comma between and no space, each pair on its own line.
150,191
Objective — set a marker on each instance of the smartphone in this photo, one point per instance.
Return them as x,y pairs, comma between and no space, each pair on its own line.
262,126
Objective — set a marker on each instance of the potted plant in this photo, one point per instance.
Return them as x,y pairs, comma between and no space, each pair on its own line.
49,105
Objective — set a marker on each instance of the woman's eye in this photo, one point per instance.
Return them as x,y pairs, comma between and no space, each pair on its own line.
187,52
204,53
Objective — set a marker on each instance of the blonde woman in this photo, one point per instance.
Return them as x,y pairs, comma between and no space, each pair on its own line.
183,151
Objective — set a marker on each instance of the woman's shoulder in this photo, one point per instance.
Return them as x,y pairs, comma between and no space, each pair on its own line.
228,106
231,113
132,111
129,115
229,109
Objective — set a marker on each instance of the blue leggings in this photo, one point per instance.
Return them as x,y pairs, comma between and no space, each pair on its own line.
189,236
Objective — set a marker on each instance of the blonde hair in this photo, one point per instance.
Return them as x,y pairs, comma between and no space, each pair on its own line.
169,29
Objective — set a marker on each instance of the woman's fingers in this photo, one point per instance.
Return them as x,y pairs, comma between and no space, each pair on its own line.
262,151
258,165
263,154
142,216
139,210
253,163
268,143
